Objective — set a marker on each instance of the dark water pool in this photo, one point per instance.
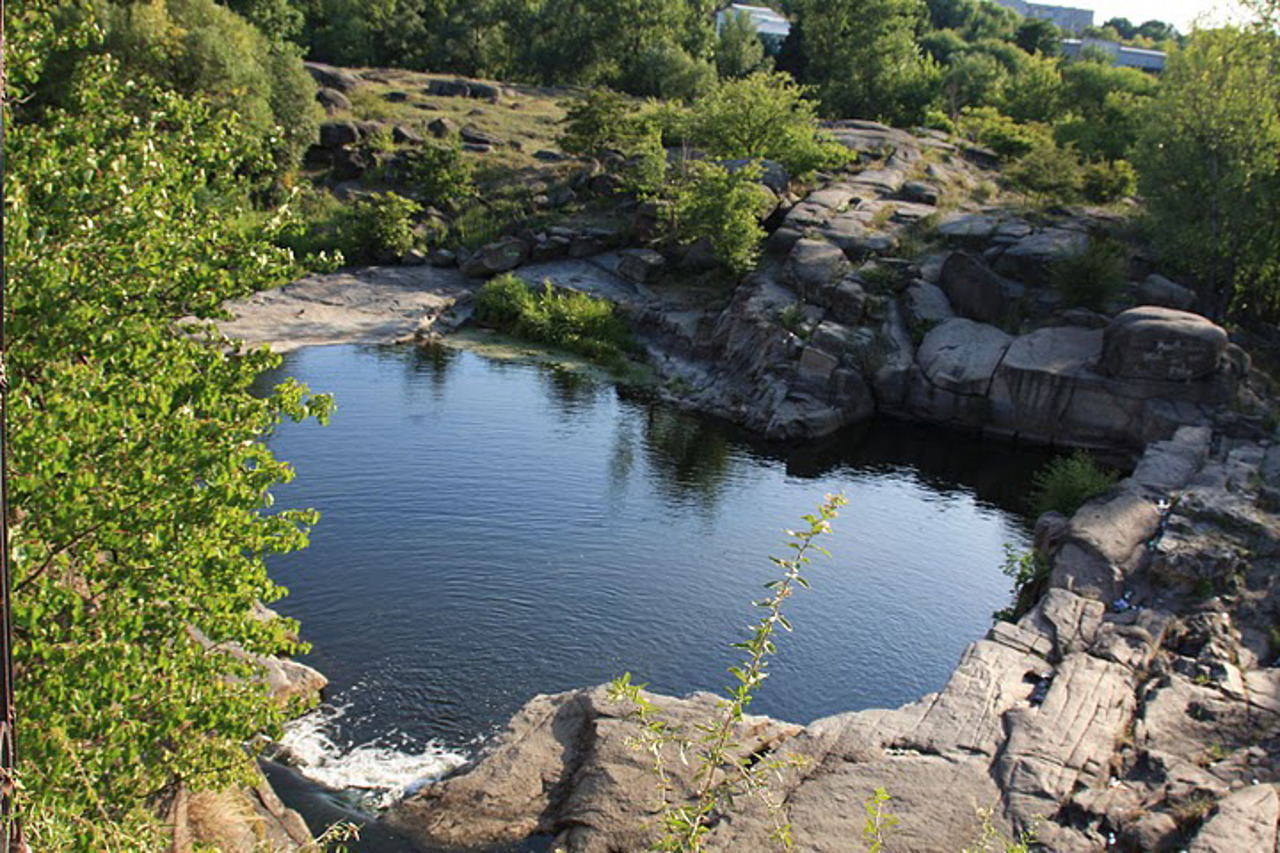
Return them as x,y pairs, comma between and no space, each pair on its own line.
493,529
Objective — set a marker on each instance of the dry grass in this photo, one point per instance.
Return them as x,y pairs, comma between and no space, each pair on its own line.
224,820
527,115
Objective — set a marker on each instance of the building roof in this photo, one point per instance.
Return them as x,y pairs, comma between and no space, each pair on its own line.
767,21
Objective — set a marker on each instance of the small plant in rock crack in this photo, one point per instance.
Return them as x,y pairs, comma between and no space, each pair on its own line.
879,821
722,774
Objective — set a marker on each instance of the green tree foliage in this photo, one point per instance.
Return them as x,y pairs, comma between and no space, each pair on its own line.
438,173
1209,167
138,481
725,208
201,48
601,121
973,79
606,41
1038,36
1011,140
1033,94
278,20
666,70
763,116
1102,108
863,58
1068,483
975,19
1126,28
739,51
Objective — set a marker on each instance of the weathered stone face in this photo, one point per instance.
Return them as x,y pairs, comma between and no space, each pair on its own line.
504,255
977,292
815,265
1162,344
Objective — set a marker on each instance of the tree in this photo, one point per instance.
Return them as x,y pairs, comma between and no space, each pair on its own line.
139,483
724,208
739,50
863,58
974,79
1039,36
1209,167
1123,26
605,41
763,116
1035,92
1157,31
201,48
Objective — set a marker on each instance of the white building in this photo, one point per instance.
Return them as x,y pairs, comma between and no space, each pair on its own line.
771,26
1127,57
1065,18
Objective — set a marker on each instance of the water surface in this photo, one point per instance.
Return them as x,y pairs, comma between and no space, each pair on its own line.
491,530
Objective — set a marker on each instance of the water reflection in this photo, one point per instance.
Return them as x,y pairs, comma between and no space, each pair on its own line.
435,361
690,456
572,392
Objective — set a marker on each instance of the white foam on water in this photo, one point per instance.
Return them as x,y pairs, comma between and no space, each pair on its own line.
379,773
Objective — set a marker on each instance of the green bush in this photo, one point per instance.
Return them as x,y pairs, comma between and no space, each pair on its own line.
439,173
1048,172
725,208
1091,278
572,321
989,127
1109,181
738,50
764,115
200,47
1030,573
384,225
1068,482
667,71
601,121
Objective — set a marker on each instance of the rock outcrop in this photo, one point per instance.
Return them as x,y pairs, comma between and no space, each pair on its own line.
1120,710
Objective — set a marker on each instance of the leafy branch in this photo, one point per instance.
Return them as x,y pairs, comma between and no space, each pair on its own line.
723,774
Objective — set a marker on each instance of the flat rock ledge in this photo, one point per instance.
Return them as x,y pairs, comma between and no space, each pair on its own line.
1136,706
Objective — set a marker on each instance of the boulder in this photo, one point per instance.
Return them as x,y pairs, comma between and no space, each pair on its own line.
814,266
961,356
1031,259
332,100
349,164
478,137
546,155
405,135
1158,290
484,91
332,78
970,229
976,292
442,127
926,305
450,88
847,301
1162,344
336,134
1245,820
920,193
640,266
500,256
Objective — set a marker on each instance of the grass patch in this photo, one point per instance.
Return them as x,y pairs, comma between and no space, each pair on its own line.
1068,482
566,319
